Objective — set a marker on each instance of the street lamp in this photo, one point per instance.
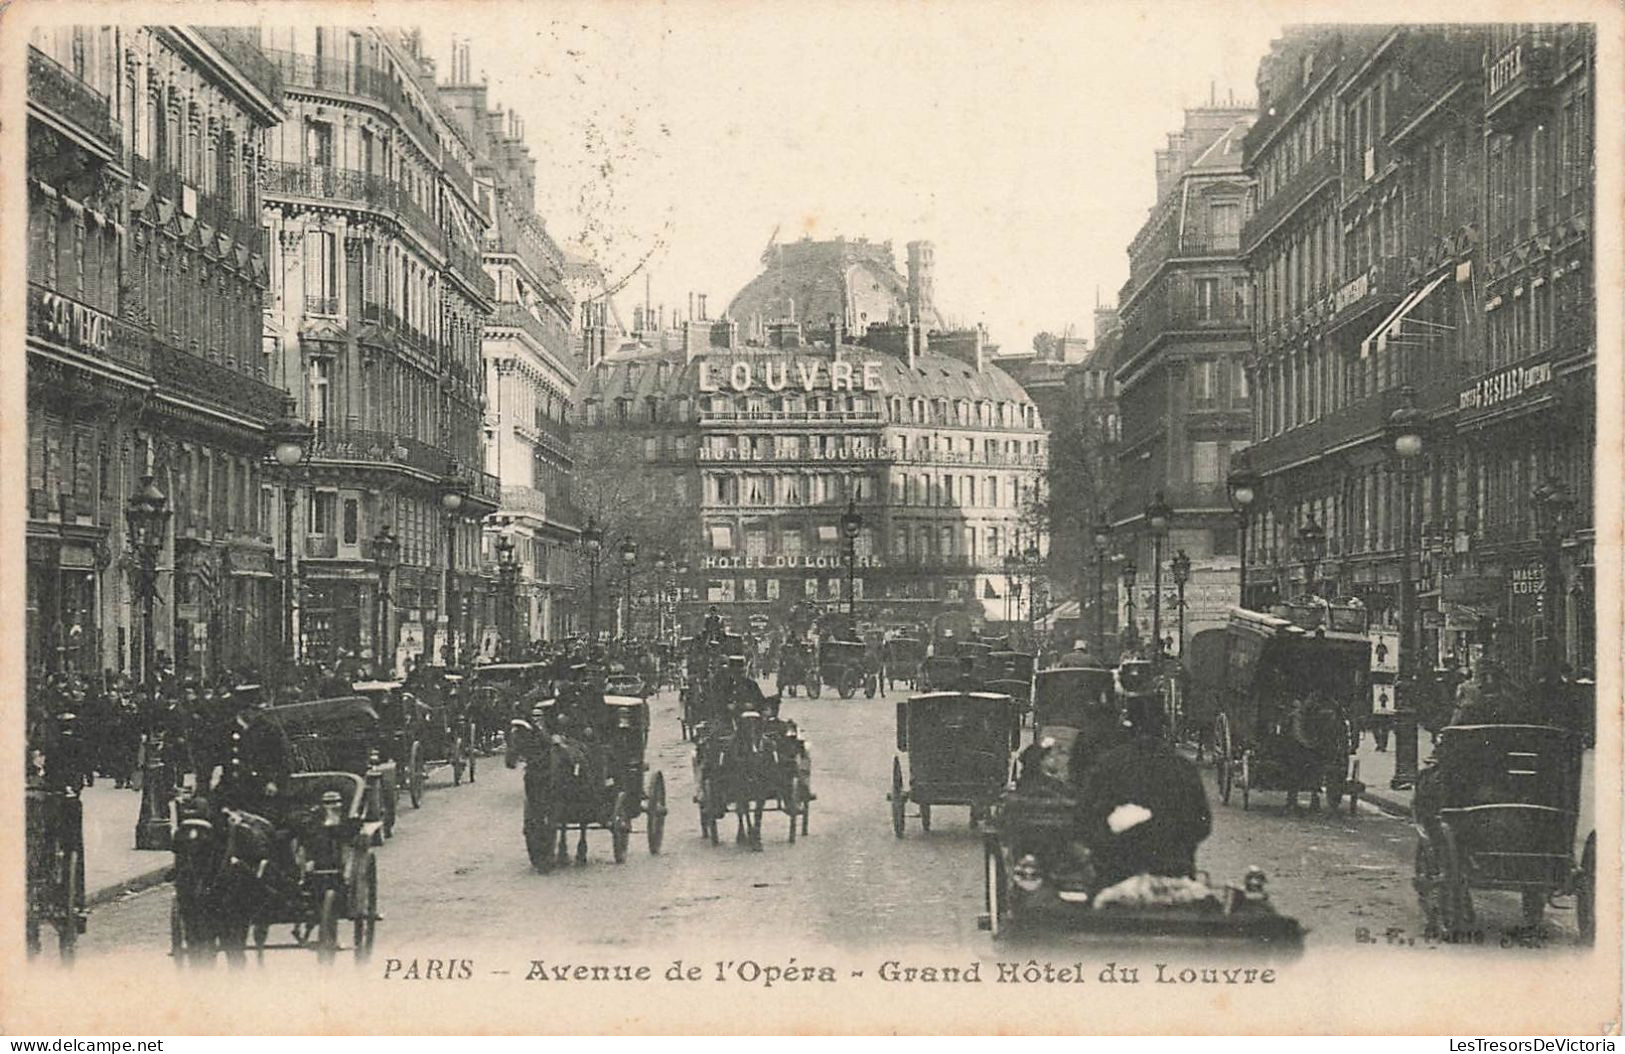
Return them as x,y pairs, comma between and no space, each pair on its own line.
1552,505
629,560
508,589
1181,567
451,501
851,524
1010,565
682,596
146,516
1103,538
1157,517
1030,560
288,441
1311,547
661,560
592,539
1404,433
1129,573
1243,486
386,555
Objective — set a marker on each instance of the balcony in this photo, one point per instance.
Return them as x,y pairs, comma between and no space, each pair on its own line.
324,183
488,489
1177,306
339,77
321,305
216,385
524,499
241,48
64,320
1518,73
466,267
321,546
979,459
75,105
379,448
548,333
1298,188
458,176
1379,286
791,416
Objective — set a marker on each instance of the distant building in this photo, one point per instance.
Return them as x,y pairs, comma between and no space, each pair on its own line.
851,282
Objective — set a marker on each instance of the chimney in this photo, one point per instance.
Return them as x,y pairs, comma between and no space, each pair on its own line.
725,334
922,280
696,339
703,316
691,314
835,334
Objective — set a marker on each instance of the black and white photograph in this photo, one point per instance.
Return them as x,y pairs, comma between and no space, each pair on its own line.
824,518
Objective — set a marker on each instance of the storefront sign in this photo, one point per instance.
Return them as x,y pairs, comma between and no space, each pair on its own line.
74,324
1500,387
725,563
1529,580
803,375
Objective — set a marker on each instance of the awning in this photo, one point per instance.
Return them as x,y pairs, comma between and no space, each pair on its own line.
1386,328
722,538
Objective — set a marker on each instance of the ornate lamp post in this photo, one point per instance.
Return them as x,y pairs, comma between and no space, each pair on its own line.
1311,547
1129,573
1243,486
661,561
1010,566
851,524
1552,505
386,555
629,560
592,539
1181,567
1404,431
1103,538
288,442
146,516
507,592
681,592
451,501
1157,517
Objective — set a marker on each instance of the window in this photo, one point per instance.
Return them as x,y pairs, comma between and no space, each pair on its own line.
320,389
352,521
1205,463
651,449
323,507
318,143
1207,299
1204,382
321,272
1224,222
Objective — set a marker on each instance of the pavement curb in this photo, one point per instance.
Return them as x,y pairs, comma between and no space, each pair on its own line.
1383,803
146,880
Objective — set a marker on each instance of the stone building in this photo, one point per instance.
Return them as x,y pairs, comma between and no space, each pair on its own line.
146,274
379,304
530,364
1182,388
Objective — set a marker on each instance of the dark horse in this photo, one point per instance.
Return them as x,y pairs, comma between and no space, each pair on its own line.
562,778
1318,741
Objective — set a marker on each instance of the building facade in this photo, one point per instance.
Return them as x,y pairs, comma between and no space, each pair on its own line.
146,271
1182,387
1419,211
376,325
530,365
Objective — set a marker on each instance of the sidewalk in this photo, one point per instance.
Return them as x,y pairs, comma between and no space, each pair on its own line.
113,866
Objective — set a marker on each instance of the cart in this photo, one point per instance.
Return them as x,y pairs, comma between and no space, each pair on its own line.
958,746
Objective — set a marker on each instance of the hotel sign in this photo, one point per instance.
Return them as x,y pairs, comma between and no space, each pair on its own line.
727,563
1503,386
864,454
790,375
74,324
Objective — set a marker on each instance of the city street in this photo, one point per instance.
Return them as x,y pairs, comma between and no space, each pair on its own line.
456,870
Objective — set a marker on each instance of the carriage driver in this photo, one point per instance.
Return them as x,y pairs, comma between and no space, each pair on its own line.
1142,809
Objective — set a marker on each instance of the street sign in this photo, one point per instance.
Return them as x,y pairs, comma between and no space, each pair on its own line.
1384,651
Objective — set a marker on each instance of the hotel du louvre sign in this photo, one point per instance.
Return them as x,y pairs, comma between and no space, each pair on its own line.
846,454
789,374
1504,386
832,563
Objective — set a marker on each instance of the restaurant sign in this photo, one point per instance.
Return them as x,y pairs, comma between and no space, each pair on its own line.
1500,387
799,375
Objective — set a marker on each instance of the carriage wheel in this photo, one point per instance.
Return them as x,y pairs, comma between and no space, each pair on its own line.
540,834
1246,779
1223,760
73,896
327,927
1455,899
993,882
925,817
177,933
898,821
620,826
1534,907
415,775
792,805
655,808
364,909
1585,892
846,686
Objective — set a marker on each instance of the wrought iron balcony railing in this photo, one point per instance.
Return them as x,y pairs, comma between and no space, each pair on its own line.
65,320
348,185
54,88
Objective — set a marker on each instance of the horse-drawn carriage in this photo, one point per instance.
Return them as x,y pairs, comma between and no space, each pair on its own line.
958,746
1290,708
901,659
1011,672
797,668
1075,710
846,666
1498,810
497,697
747,763
584,755
711,662
286,838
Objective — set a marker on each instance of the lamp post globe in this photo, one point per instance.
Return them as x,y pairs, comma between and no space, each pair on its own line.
1242,484
1405,433
451,501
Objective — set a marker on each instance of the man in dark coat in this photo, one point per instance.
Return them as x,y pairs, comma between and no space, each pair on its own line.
1143,809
